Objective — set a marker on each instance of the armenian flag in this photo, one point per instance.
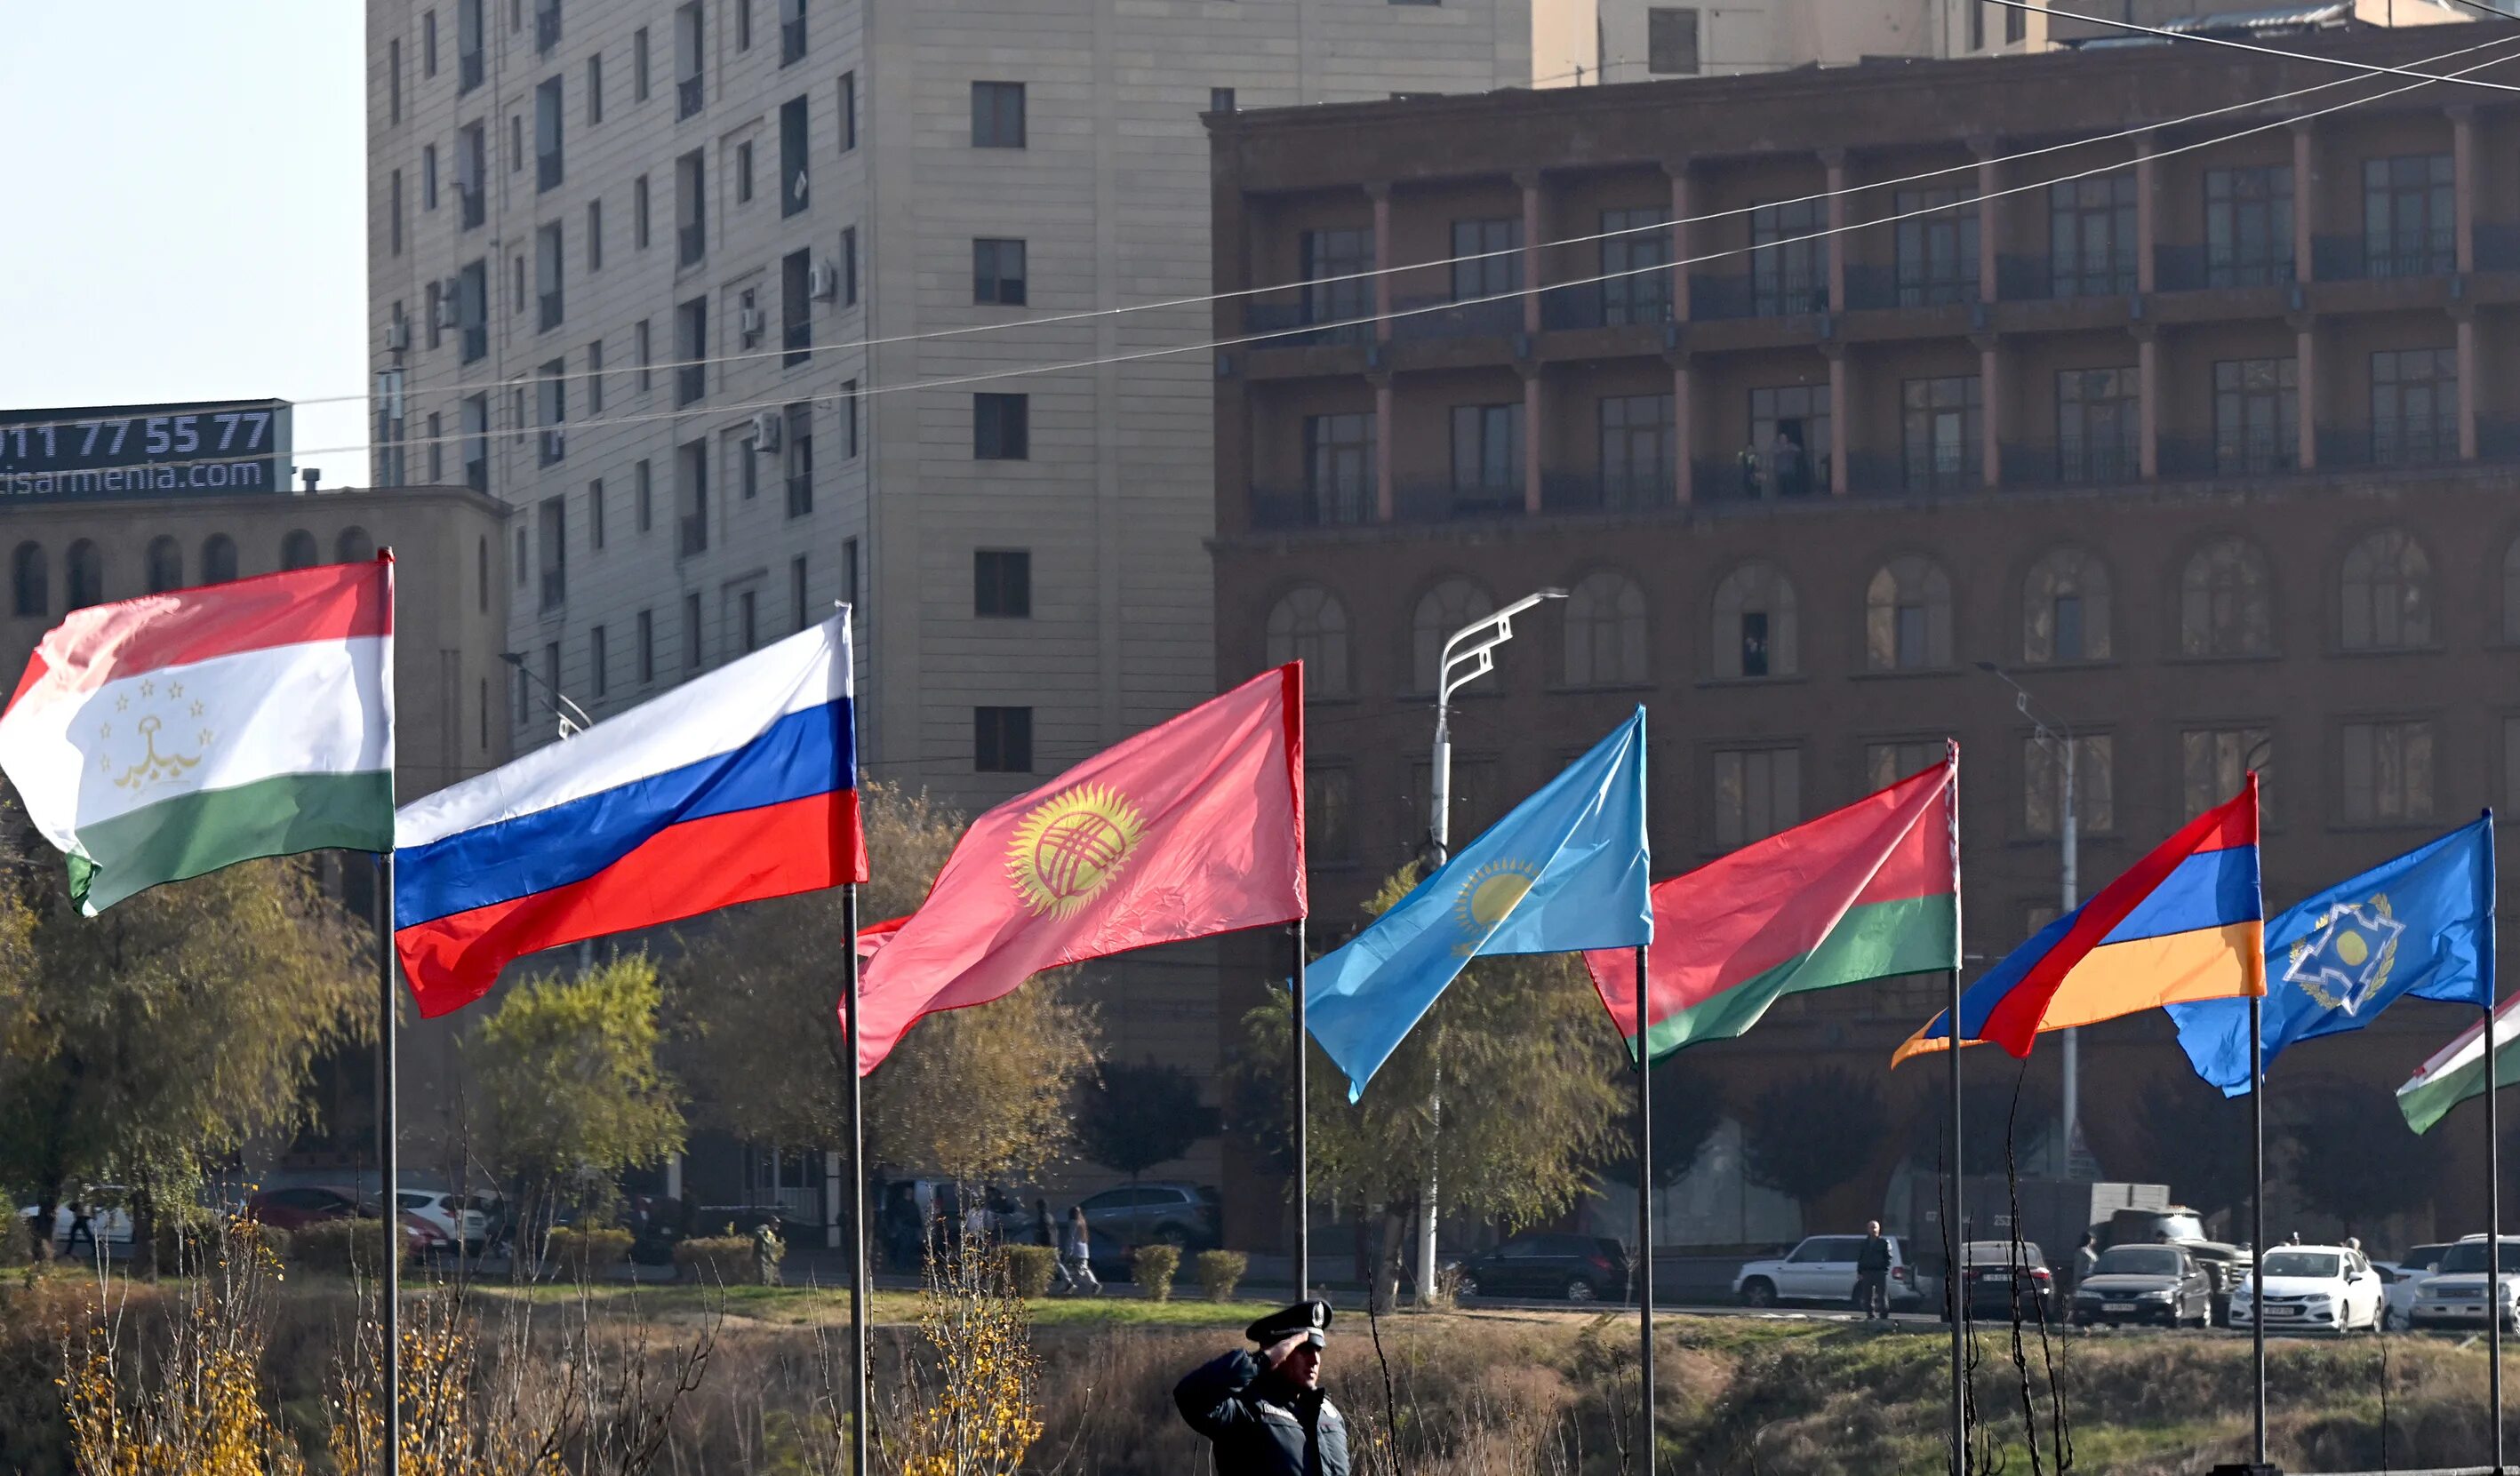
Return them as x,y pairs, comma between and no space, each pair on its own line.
2186,922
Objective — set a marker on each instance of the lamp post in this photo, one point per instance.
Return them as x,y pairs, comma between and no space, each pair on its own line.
572,718
2057,739
1468,654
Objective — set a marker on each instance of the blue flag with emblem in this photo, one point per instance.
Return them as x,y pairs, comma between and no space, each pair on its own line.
2421,925
1566,871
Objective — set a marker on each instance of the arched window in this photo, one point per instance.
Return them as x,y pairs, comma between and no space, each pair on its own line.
1308,624
353,546
31,577
86,575
1441,610
1907,616
2225,601
218,558
2065,609
165,564
1605,631
297,550
1755,629
2388,590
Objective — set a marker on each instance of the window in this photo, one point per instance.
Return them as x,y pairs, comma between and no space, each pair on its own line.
2043,785
748,468
547,265
690,348
393,214
643,496
2213,763
796,601
428,177
595,236
1907,616
2065,609
848,266
690,209
686,61
165,564
848,111
1001,584
1671,41
1487,258
744,172
791,31
849,421
1755,627
546,155
742,24
2248,226
1329,805
793,155
2388,594
2414,407
1440,611
2256,415
1338,469
1308,624
1790,432
642,350
1885,764
481,573
1001,427
472,173
553,531
595,377
1220,100
1487,456
1758,792
29,585
352,544
1334,265
597,676
1940,422
1637,449
468,45
546,25
797,308
1636,256
2091,236
436,450
690,468
595,89
1605,631
850,581
748,620
1001,741
2408,215
1789,266
2388,772
218,560
800,451
2099,425
2226,607
639,64
551,393
393,83
474,415
996,115
429,43
594,514
1937,254
515,143
647,628
694,652
296,552
998,271
639,214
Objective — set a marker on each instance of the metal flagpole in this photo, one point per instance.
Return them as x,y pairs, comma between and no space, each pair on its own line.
861,1375
388,1163
1645,1218
1303,1114
2493,1158
2258,1228
1955,1233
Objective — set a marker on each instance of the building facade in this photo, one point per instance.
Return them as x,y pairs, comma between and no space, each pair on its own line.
2207,441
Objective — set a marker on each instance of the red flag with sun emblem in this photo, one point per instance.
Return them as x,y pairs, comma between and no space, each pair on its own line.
1189,829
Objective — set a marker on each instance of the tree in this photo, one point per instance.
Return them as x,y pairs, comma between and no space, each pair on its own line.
2354,1156
1807,1137
1687,1111
1999,1128
570,1088
971,1093
1132,1117
2198,1140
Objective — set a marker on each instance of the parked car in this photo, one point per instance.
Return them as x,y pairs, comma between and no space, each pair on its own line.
2224,1265
423,1238
2453,1296
2319,1288
1185,1215
107,1218
1821,1268
2404,1278
295,1208
1997,1280
465,1223
2146,1284
1548,1263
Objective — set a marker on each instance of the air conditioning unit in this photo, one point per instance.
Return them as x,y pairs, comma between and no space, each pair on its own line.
748,322
766,428
823,283
397,336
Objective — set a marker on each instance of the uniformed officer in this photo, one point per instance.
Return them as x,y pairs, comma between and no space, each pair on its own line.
1265,1412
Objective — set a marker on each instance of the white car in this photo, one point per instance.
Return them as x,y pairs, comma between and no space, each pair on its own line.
2316,1288
2405,1277
439,1212
1822,1269
109,1222
2453,1296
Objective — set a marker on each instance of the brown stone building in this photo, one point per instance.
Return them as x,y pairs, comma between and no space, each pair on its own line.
2210,440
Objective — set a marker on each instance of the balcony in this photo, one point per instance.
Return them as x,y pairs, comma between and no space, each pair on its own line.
2263,452
694,534
1641,302
2407,441
1788,295
1501,318
1611,492
2497,246
1309,322
1340,506
687,98
690,243
1449,501
2408,253
546,28
2073,461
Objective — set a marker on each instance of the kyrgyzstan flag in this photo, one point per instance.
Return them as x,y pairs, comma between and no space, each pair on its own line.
1190,828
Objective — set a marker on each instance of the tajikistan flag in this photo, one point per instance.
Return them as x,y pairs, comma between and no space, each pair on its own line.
161,737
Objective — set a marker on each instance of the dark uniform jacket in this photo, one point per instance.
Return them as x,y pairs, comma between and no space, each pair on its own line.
1873,1259
1262,1426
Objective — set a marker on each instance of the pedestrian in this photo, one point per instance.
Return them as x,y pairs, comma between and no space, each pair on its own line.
1077,1268
977,1227
1872,1274
2354,1243
1265,1412
1045,1231
79,1226
2086,1256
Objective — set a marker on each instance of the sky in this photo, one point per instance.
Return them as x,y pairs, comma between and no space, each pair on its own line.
185,194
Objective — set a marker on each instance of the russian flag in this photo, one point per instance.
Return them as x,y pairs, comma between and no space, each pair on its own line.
735,787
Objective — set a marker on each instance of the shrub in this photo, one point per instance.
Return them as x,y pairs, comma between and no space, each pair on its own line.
1219,1271
716,1261
1152,1266
328,1245
588,1252
1029,1269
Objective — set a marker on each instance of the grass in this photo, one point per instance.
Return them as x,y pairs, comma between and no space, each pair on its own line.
811,1306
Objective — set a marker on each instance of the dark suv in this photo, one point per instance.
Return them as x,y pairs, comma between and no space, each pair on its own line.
1548,1264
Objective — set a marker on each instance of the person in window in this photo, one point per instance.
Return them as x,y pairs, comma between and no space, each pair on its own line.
1751,483
1265,1412
1872,1274
1786,467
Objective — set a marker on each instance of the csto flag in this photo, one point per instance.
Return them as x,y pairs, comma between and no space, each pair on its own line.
165,737
2421,925
1190,828
2181,924
1566,871
735,787
2457,1071
1863,893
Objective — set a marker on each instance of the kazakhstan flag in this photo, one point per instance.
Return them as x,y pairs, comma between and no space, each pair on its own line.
2421,925
1567,871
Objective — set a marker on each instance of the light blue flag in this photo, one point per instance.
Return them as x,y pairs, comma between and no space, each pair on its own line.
2421,925
1565,871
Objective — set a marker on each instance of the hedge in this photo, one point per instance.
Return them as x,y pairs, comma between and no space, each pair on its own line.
1152,1268
716,1261
328,1246
1029,1269
588,1252
1219,1271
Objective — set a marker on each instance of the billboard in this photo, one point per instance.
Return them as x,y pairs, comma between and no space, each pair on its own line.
205,448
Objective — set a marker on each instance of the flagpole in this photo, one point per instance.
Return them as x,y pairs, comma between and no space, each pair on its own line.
858,1262
1303,1114
1955,1235
1645,1216
389,1164
2493,1158
2258,1229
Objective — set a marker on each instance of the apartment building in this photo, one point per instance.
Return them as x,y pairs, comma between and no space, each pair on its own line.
2208,441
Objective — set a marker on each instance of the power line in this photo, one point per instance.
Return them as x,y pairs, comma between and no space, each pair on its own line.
2369,68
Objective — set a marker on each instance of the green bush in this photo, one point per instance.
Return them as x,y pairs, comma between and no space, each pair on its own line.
1152,1266
716,1261
1029,1269
582,1253
1219,1271
330,1246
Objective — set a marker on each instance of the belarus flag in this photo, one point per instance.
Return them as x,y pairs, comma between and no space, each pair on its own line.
165,737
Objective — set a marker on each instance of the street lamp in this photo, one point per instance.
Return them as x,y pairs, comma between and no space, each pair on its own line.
572,718
1468,654
2058,740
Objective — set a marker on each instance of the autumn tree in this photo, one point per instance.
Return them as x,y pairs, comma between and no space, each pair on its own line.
1806,1137
1688,1109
